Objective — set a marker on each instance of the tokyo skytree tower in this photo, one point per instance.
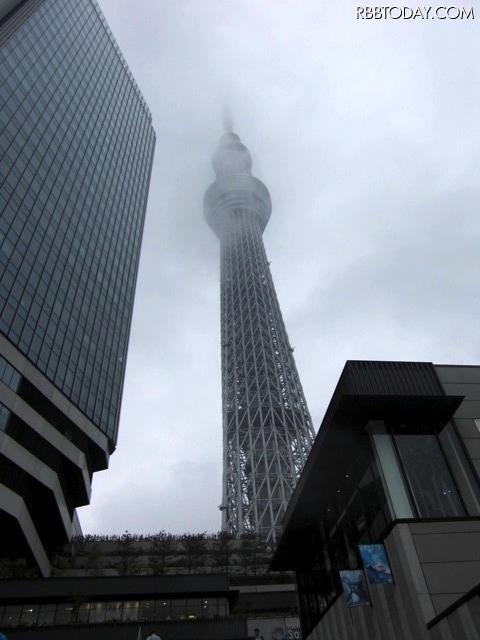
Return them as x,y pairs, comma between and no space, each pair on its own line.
267,429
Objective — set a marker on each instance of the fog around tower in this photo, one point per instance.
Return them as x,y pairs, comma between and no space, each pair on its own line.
365,135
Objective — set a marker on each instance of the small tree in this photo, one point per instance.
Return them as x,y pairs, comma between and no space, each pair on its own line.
194,547
93,559
161,547
222,551
127,565
245,550
253,554
261,555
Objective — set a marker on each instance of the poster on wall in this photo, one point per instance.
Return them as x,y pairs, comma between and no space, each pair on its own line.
354,588
375,563
274,629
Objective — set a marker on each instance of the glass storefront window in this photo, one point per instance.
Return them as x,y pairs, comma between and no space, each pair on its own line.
194,608
29,614
65,614
147,610
461,470
222,607
163,610
97,612
114,611
431,484
83,612
130,611
179,609
208,607
11,616
46,615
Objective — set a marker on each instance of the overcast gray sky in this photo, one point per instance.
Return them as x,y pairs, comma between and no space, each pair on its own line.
366,135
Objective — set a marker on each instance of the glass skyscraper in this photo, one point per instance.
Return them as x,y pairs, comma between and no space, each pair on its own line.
76,150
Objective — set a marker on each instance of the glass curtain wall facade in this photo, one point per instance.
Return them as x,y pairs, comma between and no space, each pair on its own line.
77,143
76,150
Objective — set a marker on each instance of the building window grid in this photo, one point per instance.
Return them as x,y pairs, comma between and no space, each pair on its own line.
101,248
124,273
136,166
28,65
114,333
89,381
92,262
52,209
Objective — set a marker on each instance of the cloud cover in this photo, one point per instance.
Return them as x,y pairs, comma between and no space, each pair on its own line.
365,134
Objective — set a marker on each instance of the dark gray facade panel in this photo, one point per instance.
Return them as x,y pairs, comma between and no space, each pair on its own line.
452,577
473,447
76,143
444,600
452,527
458,374
461,547
467,428
468,409
470,391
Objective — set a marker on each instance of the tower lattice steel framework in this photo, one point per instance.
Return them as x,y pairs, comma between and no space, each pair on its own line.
267,429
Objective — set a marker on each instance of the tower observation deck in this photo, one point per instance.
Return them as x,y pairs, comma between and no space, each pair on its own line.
267,429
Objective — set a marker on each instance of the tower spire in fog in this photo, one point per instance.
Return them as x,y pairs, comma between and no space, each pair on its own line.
267,429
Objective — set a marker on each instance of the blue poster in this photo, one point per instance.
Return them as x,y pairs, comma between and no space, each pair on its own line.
354,588
375,563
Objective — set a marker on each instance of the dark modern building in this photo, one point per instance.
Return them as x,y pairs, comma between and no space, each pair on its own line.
267,429
395,466
76,149
177,607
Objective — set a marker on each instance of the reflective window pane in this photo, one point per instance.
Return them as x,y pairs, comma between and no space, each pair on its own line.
432,486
